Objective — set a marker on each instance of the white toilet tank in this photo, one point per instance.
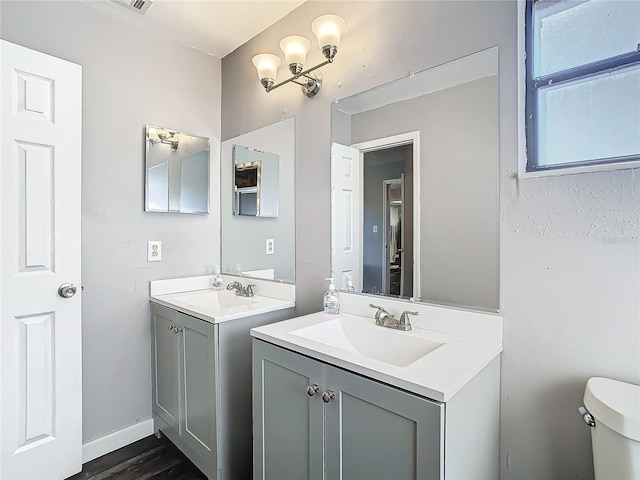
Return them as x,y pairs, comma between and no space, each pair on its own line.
616,435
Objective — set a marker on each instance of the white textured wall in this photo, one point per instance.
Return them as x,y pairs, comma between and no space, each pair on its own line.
570,290
569,246
129,79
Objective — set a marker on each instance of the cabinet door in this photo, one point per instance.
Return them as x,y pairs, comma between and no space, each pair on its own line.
166,398
374,431
287,422
198,365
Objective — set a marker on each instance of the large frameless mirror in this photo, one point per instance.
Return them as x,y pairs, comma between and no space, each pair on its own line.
176,171
415,176
258,203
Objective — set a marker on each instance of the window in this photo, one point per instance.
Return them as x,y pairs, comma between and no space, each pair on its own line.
583,82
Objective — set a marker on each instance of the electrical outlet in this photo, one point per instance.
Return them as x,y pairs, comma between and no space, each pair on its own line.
270,246
375,229
154,251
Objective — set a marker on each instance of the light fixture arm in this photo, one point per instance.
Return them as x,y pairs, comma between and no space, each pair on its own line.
169,139
304,73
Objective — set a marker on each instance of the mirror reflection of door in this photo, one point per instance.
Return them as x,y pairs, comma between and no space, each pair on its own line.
255,182
393,257
247,188
388,221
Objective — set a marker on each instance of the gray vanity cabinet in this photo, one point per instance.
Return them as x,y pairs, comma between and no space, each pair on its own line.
165,366
374,431
201,379
361,429
184,398
287,431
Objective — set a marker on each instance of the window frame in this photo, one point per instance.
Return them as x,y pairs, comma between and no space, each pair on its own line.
580,72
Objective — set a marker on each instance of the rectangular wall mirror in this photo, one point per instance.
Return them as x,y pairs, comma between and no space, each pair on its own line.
414,179
259,231
176,171
255,182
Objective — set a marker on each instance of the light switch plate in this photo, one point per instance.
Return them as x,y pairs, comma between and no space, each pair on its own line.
154,251
270,246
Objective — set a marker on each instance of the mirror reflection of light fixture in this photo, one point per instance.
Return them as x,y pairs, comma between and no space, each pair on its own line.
156,136
328,29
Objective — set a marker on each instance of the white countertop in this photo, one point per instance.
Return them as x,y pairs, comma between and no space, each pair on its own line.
217,306
193,296
438,375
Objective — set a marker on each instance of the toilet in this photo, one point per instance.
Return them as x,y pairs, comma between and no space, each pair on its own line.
613,412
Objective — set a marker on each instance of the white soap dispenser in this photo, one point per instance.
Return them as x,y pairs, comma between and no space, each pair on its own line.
217,283
331,298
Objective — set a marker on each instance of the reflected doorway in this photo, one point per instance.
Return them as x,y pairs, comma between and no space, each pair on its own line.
387,243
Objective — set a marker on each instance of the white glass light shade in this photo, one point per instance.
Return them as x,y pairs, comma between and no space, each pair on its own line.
328,29
267,66
295,49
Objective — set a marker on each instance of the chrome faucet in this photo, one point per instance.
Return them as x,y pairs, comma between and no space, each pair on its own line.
240,290
385,319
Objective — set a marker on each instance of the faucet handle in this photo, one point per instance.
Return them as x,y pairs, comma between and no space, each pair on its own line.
382,316
380,310
249,290
404,323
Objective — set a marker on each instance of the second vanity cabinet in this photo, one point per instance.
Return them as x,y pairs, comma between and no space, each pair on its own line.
201,380
313,421
184,367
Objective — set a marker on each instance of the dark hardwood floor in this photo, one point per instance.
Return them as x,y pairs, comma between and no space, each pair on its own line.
147,458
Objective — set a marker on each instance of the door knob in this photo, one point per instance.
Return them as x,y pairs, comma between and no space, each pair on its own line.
67,290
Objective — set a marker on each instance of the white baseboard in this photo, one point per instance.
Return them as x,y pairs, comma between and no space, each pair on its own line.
113,441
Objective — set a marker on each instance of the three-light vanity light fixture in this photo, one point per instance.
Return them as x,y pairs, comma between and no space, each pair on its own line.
328,29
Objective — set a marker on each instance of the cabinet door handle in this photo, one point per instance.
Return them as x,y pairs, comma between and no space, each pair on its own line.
171,326
328,396
312,390
177,329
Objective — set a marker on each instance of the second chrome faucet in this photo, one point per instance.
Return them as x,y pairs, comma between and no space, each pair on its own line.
240,290
385,319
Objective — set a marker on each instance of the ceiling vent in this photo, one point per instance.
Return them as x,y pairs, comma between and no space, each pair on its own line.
140,6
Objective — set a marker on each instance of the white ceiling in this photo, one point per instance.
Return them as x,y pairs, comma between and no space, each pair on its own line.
213,27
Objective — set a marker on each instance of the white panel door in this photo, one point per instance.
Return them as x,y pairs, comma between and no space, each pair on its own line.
346,217
40,331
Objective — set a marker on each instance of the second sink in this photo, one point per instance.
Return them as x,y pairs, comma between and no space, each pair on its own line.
367,339
222,299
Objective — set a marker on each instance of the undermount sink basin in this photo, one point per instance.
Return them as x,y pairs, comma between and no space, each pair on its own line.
221,299
370,340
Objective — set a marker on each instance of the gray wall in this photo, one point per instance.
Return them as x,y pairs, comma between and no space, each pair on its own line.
243,238
370,55
129,79
459,218
569,246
